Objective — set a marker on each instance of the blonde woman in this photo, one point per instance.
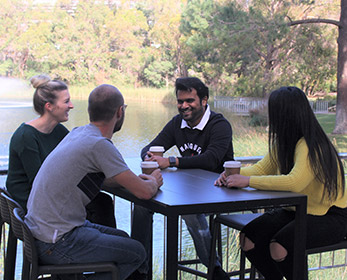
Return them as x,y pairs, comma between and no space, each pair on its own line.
34,140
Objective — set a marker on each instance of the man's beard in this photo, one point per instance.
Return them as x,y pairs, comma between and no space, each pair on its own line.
118,124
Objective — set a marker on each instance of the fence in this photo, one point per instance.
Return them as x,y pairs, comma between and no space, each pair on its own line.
242,105
320,106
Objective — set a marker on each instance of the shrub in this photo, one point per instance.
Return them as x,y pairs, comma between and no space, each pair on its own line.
258,117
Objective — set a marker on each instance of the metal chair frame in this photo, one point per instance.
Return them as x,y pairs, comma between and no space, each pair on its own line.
11,248
238,221
36,269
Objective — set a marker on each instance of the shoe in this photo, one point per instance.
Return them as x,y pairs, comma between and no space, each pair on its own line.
220,274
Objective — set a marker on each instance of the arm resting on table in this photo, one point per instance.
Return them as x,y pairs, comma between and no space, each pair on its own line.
144,187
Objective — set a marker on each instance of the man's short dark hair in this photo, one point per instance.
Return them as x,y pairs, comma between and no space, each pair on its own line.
103,103
189,83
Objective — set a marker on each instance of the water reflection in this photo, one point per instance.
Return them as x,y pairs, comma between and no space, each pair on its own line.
13,104
142,122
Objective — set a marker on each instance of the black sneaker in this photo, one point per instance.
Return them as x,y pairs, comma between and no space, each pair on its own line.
220,274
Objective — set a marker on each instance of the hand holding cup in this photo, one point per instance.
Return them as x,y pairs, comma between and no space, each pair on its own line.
149,166
232,167
157,150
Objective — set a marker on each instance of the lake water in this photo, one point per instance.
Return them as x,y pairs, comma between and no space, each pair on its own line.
142,123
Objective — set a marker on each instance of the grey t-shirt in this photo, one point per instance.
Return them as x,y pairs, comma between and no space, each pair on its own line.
57,200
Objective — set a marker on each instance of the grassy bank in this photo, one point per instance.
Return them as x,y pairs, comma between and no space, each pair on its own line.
327,121
252,141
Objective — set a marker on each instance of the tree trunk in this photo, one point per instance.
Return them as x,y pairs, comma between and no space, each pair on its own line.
341,104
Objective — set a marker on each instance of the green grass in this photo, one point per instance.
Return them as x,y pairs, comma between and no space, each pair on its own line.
327,121
252,141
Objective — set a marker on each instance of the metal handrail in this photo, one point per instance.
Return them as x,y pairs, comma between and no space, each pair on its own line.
244,160
257,158
251,160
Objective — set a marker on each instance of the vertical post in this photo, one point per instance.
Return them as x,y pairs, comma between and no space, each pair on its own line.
300,257
172,247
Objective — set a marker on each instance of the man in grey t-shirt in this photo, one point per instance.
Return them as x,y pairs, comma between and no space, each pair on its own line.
56,206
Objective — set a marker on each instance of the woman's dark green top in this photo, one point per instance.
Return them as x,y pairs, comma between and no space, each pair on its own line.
28,149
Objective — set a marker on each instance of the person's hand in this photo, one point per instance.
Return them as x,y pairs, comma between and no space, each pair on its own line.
221,181
149,157
158,177
155,176
162,161
237,180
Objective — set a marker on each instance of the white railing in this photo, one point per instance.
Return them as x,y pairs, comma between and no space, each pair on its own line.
243,105
240,106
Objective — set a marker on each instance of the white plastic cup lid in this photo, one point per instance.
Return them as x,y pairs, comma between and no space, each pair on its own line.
232,164
157,149
149,164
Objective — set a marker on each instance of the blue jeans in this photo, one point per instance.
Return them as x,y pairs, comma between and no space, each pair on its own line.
199,230
95,243
197,226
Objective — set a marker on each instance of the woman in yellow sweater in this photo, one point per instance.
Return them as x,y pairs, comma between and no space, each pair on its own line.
301,159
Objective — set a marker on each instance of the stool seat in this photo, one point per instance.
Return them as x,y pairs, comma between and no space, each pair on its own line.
237,221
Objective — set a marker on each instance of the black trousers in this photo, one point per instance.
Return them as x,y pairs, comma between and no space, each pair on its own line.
278,225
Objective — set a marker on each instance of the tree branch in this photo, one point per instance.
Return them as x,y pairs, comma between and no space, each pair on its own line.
314,20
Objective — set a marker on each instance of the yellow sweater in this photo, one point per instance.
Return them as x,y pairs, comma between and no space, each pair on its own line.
264,175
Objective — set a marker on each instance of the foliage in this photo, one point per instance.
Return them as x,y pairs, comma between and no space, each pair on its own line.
258,117
156,72
262,51
239,48
6,67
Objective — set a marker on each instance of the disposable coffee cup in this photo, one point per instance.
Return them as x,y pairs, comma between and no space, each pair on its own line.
157,150
149,166
232,167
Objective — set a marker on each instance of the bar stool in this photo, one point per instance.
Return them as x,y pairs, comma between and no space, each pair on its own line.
238,221
11,205
2,229
183,264
36,269
11,250
235,221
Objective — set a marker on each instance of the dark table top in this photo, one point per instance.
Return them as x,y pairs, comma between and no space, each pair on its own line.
188,191
192,191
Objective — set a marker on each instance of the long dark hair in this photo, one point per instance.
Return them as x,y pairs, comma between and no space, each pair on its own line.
290,119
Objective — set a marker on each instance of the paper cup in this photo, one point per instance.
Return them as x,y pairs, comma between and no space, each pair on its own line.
157,150
232,167
149,166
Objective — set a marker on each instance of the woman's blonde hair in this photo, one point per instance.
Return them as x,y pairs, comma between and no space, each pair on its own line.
45,91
